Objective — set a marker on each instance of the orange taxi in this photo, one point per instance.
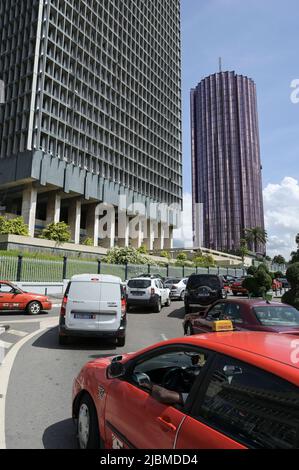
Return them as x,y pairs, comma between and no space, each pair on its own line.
13,298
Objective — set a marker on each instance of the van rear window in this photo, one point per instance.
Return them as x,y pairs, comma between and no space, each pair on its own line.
84,290
139,283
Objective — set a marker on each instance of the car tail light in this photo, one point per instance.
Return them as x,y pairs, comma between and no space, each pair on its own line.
152,291
123,307
63,306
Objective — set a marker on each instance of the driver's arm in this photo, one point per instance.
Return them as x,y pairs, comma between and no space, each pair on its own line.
168,397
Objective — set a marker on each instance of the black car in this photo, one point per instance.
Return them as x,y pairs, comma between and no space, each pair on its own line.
203,290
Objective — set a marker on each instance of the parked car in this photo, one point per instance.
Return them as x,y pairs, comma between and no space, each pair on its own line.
276,285
203,290
12,298
177,287
147,292
93,306
284,282
227,390
237,287
246,314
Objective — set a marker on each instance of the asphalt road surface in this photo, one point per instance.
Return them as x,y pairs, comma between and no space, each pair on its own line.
38,400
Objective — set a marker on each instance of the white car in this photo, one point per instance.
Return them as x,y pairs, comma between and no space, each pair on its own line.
147,292
93,306
177,287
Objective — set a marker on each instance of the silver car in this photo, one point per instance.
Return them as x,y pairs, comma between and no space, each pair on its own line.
177,287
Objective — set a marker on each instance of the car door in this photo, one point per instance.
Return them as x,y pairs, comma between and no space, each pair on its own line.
7,297
133,418
205,324
164,292
241,406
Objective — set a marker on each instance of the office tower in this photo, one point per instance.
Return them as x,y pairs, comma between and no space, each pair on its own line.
226,165
92,116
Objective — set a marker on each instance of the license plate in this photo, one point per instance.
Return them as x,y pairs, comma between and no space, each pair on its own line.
202,295
84,316
138,293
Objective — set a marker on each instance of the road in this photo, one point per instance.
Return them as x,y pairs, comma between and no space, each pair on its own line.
38,399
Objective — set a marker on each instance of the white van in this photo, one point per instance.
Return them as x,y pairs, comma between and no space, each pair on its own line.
93,306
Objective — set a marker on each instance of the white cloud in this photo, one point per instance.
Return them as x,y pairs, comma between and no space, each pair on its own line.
183,236
281,203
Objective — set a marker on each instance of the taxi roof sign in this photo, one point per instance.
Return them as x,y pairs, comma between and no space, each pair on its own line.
223,325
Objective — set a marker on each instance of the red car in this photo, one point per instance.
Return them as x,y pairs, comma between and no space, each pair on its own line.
13,298
237,287
246,314
276,285
237,390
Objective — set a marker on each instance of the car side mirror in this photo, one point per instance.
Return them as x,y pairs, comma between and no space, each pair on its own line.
16,291
115,370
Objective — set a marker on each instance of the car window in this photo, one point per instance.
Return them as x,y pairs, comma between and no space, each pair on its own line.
204,280
233,313
175,371
216,311
276,315
250,405
139,283
6,288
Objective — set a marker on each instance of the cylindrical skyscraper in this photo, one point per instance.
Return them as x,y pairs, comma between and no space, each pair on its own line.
226,165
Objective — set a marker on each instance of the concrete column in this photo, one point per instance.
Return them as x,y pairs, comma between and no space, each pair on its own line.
107,226
53,208
136,232
159,241
74,219
29,208
150,235
92,223
123,229
168,238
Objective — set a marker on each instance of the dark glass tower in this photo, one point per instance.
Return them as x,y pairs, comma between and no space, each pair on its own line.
226,165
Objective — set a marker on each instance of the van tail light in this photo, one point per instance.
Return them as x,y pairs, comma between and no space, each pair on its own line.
123,308
152,291
63,306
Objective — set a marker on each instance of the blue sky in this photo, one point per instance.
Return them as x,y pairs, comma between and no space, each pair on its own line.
257,38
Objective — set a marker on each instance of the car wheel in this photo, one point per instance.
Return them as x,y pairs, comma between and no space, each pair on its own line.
189,330
63,340
34,308
235,294
158,306
121,342
88,427
182,296
168,302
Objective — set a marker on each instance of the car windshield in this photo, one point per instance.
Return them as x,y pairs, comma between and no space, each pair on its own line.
276,315
139,283
172,281
204,280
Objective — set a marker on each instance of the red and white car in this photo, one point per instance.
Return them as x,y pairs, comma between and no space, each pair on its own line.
13,298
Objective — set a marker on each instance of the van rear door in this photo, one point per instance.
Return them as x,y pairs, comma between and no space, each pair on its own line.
83,305
110,306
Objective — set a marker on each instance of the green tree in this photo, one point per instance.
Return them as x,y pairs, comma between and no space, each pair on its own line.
14,226
291,297
279,259
125,255
57,231
260,283
88,241
142,249
255,236
165,254
204,261
243,250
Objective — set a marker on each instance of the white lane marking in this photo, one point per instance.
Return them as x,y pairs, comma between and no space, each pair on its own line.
164,337
5,344
17,333
6,367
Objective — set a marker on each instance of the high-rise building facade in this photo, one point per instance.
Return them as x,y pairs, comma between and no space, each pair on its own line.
226,164
92,115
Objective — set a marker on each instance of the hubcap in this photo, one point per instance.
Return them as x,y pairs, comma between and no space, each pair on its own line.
83,426
35,308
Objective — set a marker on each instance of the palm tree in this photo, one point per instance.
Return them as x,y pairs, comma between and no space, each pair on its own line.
255,236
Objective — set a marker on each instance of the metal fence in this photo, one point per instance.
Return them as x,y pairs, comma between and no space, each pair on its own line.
19,268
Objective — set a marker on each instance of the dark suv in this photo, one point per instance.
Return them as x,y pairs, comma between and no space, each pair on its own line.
203,290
